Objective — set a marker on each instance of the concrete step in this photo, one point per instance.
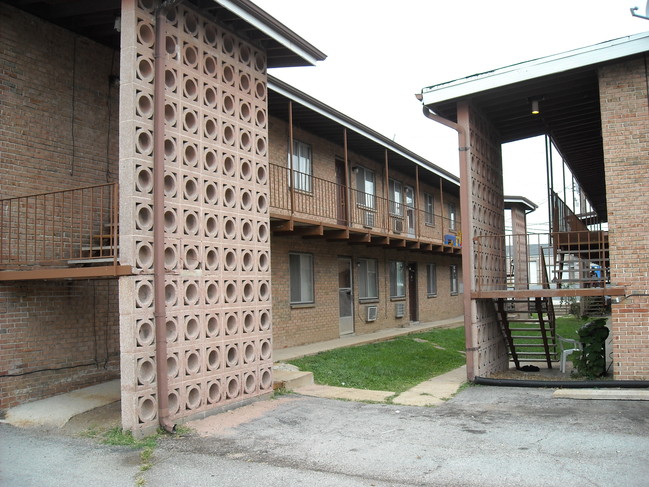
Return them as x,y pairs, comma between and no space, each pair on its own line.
291,379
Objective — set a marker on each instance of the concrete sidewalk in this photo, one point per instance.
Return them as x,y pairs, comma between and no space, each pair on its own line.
429,393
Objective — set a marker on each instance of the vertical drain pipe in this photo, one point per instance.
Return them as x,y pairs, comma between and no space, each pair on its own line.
466,227
158,221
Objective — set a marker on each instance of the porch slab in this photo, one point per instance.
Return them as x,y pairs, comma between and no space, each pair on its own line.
603,394
56,411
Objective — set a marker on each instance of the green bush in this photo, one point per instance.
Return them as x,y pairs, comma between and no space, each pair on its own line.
592,360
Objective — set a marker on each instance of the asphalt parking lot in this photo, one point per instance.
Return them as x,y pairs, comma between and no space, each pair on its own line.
484,436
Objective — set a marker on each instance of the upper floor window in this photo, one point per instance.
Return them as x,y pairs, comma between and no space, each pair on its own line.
301,278
301,168
396,197
397,279
367,279
429,209
452,216
366,187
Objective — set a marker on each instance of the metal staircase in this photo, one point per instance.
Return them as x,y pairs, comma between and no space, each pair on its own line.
528,326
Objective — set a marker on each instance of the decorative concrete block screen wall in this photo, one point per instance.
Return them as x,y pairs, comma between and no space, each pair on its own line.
486,218
217,259
625,132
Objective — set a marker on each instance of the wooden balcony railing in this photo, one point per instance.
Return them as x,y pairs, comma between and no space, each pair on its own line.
573,261
77,226
328,203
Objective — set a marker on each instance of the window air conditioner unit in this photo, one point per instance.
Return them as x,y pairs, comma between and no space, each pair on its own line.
371,312
397,225
368,219
399,310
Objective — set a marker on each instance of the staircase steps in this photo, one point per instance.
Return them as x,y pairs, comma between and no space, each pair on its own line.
531,338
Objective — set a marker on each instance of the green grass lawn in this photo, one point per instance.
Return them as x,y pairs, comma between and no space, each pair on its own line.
395,365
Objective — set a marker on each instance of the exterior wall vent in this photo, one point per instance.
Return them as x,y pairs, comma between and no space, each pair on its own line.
371,312
399,310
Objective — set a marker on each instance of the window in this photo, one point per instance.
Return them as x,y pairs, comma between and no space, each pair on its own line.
429,209
452,216
367,279
365,187
397,279
431,280
454,286
396,197
301,278
301,167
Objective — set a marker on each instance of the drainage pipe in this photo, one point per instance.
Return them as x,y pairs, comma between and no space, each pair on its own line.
159,312
463,148
564,384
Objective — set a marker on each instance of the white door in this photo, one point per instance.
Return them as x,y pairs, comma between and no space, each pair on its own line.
345,296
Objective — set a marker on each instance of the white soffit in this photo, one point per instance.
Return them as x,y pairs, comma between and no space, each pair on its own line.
536,68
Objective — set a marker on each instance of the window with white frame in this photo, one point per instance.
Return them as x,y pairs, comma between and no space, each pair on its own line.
454,283
396,197
301,167
452,216
429,209
301,278
368,279
397,279
431,279
366,187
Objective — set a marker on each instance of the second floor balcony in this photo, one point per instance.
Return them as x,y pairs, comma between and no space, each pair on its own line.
306,205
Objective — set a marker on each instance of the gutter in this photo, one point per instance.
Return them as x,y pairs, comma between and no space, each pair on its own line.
159,312
464,148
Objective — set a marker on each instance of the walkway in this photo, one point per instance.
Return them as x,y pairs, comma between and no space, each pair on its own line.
429,393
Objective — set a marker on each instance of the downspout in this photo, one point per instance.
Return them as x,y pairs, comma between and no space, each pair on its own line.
463,148
159,312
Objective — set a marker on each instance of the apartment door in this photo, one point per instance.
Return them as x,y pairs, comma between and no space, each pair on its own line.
409,193
413,303
345,296
341,193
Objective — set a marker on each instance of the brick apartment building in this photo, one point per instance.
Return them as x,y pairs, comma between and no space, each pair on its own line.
592,104
144,192
365,233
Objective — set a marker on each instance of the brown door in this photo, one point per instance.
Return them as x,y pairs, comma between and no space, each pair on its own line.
341,190
412,291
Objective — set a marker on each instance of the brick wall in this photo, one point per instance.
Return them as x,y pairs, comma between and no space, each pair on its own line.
625,132
45,81
56,337
56,107
297,325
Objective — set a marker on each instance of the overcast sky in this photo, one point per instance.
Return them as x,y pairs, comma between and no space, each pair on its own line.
381,53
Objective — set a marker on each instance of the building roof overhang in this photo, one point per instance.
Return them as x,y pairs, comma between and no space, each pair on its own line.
324,121
520,202
95,19
566,88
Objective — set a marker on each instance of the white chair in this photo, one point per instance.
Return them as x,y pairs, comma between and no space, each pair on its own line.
564,347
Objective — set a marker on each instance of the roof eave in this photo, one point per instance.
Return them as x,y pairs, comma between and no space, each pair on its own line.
317,106
274,29
536,68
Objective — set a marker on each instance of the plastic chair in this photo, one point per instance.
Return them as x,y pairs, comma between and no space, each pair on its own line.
564,344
